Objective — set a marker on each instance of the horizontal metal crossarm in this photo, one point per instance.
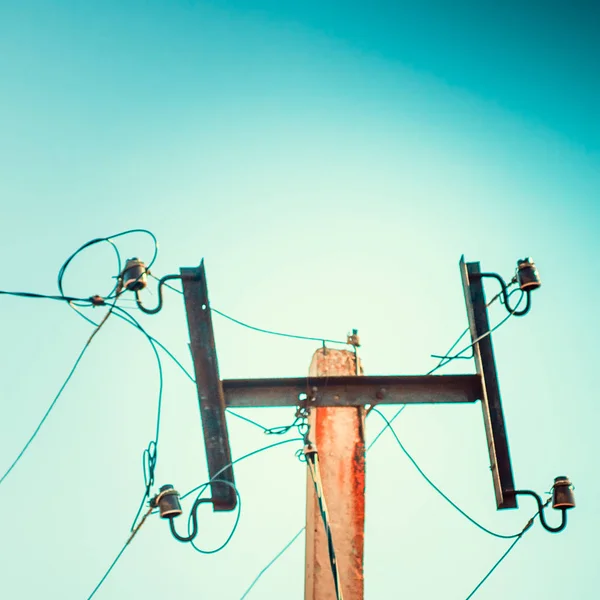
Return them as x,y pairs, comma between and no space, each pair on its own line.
352,391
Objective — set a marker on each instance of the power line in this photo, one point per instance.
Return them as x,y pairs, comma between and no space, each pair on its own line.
486,334
495,566
108,240
278,333
527,527
435,487
272,562
150,454
116,291
240,459
131,320
55,400
260,329
46,297
447,358
237,460
108,571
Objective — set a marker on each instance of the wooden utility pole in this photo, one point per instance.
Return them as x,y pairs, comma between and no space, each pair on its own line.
338,434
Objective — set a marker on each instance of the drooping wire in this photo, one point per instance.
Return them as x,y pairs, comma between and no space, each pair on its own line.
240,459
390,427
154,511
58,395
150,454
128,318
260,329
277,333
247,420
115,291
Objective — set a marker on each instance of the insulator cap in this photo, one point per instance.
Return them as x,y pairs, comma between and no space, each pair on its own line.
528,276
167,501
562,493
134,276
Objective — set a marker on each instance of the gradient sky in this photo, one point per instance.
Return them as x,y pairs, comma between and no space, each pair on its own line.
331,162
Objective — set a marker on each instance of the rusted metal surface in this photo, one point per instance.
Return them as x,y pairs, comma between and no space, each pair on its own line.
353,391
210,389
338,433
491,402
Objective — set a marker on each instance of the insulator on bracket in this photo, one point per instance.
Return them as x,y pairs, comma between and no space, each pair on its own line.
528,276
134,276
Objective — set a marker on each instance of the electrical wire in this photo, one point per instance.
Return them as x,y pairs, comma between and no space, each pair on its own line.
487,333
154,511
58,395
115,291
150,454
116,560
46,297
240,459
447,358
108,571
528,526
128,318
65,265
441,363
272,562
260,329
435,487
514,543
383,430
278,333
235,524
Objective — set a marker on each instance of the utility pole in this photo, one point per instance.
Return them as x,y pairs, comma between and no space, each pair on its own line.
338,434
336,394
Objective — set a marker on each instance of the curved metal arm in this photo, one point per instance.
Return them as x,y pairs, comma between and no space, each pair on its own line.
540,504
161,282
194,516
516,313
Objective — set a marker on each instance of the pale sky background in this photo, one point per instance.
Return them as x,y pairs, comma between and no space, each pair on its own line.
331,162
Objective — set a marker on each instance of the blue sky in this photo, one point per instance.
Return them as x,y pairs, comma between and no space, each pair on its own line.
331,162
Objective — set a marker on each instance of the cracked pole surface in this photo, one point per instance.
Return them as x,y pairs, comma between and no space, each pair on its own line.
338,433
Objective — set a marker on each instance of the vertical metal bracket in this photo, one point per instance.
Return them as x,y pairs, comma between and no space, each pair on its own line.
491,402
208,383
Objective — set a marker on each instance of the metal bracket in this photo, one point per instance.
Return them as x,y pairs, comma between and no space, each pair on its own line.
215,395
353,391
491,401
209,386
